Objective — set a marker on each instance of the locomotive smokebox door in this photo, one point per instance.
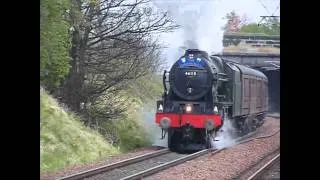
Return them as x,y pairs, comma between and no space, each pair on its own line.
160,106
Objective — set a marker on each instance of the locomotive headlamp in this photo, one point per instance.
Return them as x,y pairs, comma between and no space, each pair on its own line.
209,124
215,110
188,108
165,123
160,106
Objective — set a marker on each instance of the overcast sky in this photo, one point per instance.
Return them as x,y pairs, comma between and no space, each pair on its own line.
201,22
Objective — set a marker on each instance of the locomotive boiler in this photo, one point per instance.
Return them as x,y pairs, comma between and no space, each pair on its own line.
201,91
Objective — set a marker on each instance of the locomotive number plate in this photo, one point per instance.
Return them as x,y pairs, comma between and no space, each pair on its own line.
191,73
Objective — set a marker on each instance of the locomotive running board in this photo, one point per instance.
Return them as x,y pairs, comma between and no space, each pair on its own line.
221,79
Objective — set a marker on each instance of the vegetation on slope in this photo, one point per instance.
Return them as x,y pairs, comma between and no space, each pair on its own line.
64,140
131,129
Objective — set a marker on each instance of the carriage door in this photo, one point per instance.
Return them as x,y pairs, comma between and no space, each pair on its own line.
253,96
246,96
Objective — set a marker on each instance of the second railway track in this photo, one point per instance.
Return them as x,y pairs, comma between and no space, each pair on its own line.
262,172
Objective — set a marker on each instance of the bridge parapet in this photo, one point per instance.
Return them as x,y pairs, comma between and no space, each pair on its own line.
268,61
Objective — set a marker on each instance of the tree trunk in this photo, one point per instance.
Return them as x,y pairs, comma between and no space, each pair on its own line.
70,92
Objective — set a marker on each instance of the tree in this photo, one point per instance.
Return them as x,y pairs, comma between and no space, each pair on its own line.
244,20
273,24
270,27
112,43
233,22
253,28
54,43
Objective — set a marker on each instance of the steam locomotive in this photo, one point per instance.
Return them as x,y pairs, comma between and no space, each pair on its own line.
201,91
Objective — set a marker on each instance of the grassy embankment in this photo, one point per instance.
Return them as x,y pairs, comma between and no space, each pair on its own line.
65,141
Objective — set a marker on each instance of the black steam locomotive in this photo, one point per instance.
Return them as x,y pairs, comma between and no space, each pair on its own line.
201,92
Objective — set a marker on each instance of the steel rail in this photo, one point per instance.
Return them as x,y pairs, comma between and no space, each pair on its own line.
181,160
109,167
263,169
167,165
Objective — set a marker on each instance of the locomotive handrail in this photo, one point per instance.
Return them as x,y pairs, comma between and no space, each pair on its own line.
221,77
222,74
164,82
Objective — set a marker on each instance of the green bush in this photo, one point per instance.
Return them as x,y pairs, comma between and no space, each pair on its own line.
129,127
132,134
132,128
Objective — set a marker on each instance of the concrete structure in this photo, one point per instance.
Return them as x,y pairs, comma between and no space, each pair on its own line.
266,61
252,39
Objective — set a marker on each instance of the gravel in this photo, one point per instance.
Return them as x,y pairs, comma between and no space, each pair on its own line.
109,160
136,167
247,173
228,163
273,172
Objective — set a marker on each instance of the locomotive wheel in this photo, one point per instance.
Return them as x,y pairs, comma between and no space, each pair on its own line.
171,140
249,126
261,122
245,126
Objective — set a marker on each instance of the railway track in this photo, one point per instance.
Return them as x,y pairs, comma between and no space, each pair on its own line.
144,165
261,173
109,167
138,167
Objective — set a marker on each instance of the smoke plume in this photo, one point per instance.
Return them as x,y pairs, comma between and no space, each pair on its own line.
200,27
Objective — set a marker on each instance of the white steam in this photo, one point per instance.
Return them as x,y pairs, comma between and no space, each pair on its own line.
153,130
226,137
200,27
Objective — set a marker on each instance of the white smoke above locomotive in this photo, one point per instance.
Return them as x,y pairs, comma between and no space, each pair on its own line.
196,31
201,22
